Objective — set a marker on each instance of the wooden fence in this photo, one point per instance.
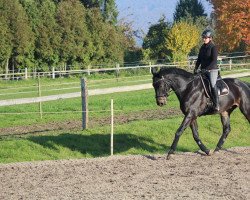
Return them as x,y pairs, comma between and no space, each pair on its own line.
223,62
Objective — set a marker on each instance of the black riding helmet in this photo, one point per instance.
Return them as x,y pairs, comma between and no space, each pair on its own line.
207,33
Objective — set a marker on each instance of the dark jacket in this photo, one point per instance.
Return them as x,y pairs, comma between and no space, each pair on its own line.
207,58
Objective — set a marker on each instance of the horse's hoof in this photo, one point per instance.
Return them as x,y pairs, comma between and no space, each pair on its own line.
169,156
210,152
217,149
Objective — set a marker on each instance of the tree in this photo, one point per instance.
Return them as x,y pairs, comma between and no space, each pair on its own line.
44,25
189,9
109,41
232,23
110,11
107,7
21,35
76,44
5,42
132,53
96,28
48,38
156,38
31,8
182,37
192,11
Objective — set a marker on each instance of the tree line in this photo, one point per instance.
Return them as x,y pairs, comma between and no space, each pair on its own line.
78,33
69,33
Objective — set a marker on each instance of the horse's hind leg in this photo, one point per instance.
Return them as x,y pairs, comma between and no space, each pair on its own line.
225,119
244,104
194,128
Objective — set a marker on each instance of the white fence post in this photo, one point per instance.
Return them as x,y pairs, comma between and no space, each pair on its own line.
150,67
53,72
7,69
88,69
112,129
26,73
40,94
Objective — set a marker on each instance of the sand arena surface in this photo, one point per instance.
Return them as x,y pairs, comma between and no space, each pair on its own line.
224,175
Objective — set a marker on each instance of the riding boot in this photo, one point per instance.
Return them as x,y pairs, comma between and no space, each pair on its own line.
215,98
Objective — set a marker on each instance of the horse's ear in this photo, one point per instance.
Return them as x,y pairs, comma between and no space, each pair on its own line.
154,70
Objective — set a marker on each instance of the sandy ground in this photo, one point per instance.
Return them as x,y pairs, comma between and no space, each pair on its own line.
224,175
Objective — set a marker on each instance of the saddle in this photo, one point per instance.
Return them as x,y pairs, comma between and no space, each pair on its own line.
222,87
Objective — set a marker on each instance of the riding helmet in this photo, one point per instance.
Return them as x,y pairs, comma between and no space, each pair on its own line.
207,33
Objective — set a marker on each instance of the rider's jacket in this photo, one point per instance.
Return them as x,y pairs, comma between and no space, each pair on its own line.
207,58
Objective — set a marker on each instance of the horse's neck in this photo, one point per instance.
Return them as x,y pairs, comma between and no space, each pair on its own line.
179,84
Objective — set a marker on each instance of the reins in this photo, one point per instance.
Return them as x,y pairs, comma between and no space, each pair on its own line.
169,84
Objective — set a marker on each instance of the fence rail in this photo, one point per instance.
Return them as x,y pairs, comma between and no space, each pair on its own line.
223,62
54,74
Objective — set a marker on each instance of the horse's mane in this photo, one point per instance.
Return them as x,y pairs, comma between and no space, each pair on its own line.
175,70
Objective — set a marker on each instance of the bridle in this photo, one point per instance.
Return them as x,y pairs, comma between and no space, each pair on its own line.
167,83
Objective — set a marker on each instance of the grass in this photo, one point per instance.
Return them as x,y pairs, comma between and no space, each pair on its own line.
68,109
29,88
137,137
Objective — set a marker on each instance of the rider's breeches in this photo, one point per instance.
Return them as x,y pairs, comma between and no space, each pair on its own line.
213,74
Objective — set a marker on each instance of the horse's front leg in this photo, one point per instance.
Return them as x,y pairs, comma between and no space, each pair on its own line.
185,123
194,128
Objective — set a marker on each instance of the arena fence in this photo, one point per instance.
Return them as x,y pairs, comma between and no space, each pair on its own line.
224,62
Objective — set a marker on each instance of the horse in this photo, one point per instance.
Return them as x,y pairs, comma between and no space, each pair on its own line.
194,102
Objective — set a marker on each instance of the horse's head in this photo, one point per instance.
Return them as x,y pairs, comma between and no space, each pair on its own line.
161,87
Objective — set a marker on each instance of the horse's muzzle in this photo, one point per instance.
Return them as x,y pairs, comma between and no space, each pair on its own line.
161,101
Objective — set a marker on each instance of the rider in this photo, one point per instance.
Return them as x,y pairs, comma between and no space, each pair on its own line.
207,61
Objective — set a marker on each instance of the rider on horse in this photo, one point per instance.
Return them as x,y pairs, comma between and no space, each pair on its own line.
207,61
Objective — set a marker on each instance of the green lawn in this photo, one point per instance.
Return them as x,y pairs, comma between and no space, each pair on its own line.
135,137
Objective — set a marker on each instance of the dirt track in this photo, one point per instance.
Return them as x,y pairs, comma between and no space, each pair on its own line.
224,175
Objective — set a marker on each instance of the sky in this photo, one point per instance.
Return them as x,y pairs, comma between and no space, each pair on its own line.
143,13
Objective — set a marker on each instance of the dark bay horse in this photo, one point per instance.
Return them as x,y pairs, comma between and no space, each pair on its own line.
194,102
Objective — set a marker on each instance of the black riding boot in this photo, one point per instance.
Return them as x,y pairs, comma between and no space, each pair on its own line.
215,98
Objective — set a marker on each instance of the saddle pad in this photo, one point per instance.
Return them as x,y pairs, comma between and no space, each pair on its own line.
222,87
